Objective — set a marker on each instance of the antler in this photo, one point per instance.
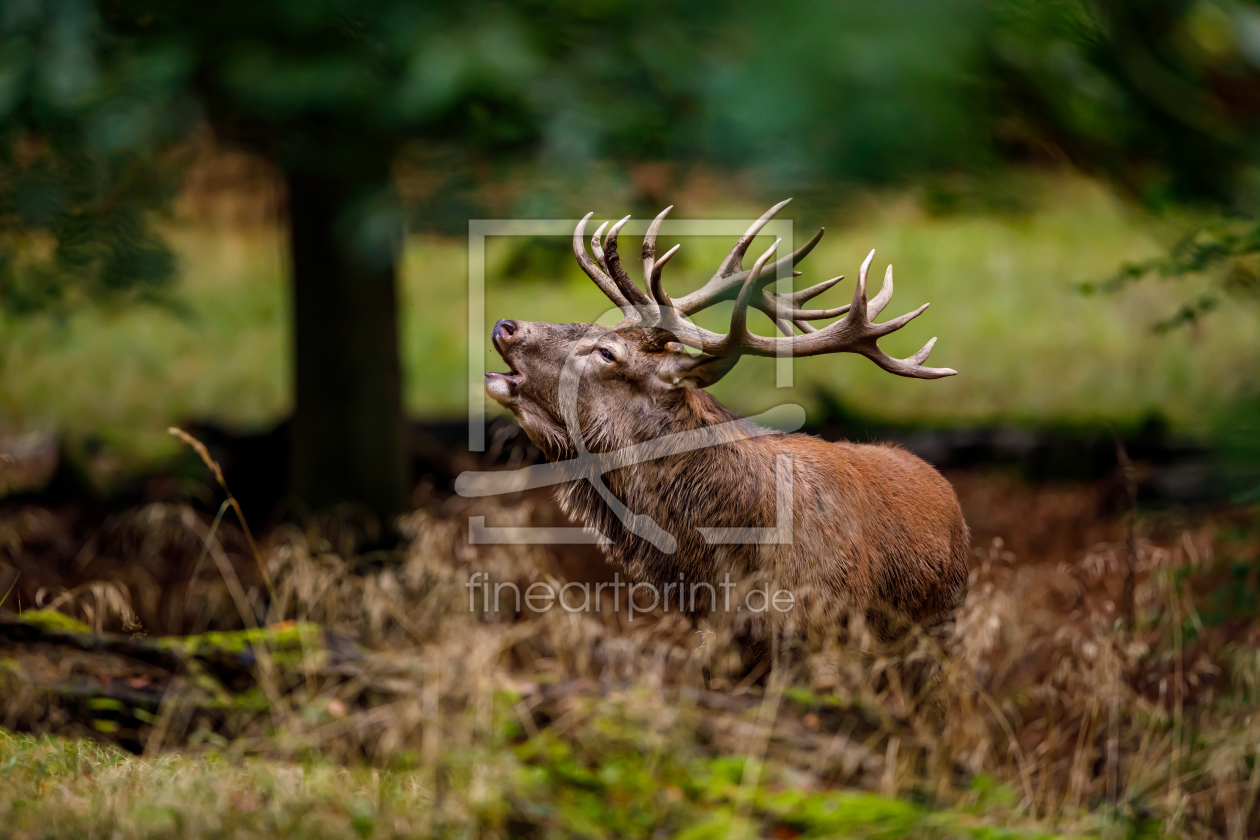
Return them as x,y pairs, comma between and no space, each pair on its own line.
728,279
855,333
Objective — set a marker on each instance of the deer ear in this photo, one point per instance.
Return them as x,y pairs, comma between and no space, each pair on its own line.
682,370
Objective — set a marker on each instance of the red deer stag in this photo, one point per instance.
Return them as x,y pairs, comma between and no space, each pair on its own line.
873,528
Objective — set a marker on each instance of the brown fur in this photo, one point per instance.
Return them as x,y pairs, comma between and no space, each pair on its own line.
875,529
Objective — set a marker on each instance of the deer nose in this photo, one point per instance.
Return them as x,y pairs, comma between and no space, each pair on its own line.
504,331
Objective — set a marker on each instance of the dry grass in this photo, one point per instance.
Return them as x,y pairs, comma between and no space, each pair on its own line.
1049,712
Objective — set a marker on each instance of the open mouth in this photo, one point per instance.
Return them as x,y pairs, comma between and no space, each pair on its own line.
503,387
510,382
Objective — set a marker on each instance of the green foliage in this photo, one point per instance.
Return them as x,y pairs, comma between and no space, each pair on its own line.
289,637
338,86
54,620
1157,95
99,103
97,99
1160,97
821,92
593,787
85,121
1226,249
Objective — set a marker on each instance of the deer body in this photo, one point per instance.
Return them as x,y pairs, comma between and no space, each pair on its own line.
874,528
871,528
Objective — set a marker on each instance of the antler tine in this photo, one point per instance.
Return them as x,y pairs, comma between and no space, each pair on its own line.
649,249
855,333
735,259
722,287
812,292
885,294
739,315
783,325
881,330
597,247
801,317
655,287
922,356
787,304
784,307
816,314
594,271
633,293
911,366
859,291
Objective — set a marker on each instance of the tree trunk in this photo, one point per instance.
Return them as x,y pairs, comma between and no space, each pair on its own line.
348,431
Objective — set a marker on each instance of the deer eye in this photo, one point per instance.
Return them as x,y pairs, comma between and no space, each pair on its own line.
607,356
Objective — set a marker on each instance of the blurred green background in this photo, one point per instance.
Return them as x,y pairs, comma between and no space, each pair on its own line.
1072,185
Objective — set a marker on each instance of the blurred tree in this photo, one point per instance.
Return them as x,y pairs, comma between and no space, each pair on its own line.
329,92
96,97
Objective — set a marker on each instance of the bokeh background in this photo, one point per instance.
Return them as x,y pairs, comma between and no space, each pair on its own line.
250,220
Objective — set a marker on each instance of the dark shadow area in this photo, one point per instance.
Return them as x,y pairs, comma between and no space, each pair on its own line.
1168,469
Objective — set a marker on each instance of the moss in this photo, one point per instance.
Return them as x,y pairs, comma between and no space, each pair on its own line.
810,699
250,700
608,784
285,636
53,620
105,704
592,787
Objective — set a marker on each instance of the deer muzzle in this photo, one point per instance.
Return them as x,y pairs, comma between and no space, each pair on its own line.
504,388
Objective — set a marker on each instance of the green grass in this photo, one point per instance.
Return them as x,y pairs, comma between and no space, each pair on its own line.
1029,348
54,787
121,376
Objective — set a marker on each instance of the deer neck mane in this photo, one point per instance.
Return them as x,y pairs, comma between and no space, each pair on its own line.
666,488
684,411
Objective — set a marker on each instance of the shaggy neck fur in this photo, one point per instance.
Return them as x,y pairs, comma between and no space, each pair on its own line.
729,484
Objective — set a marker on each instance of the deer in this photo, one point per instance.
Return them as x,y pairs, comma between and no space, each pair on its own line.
874,529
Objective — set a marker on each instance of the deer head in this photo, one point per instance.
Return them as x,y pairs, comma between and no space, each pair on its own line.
636,376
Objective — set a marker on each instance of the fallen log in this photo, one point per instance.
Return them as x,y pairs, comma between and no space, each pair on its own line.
56,675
